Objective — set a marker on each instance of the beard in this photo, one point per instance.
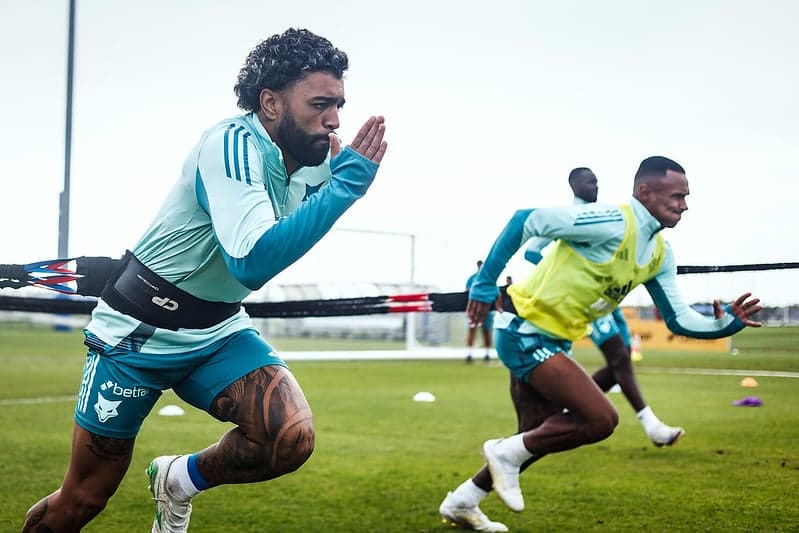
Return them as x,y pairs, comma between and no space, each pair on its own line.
306,149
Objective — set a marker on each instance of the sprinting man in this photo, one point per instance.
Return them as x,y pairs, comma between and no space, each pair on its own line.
602,253
256,193
611,334
487,328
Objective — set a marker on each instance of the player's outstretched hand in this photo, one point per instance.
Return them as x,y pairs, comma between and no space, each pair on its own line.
368,142
477,312
743,308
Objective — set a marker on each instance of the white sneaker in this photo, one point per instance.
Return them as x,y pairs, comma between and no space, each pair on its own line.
505,476
171,514
469,517
664,435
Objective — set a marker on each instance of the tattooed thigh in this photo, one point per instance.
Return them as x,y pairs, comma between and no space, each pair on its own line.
270,409
109,449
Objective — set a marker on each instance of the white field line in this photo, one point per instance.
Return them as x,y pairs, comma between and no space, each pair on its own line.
430,354
719,372
41,399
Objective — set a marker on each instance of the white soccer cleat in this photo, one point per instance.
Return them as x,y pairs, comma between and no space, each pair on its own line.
664,435
470,517
505,476
171,514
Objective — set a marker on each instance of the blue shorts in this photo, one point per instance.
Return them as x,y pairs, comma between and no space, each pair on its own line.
522,352
607,327
120,387
602,329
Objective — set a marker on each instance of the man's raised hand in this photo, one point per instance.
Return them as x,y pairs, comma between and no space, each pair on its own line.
369,140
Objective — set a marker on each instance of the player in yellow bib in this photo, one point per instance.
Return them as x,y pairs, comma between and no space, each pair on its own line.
610,332
603,252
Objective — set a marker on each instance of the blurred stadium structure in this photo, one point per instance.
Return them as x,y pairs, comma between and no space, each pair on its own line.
429,328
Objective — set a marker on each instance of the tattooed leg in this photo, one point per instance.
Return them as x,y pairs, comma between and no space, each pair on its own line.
275,432
96,468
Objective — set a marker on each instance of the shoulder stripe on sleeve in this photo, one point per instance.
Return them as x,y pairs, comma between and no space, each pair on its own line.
227,150
239,152
598,217
601,214
236,137
246,158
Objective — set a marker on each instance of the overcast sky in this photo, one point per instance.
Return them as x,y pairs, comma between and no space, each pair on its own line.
488,106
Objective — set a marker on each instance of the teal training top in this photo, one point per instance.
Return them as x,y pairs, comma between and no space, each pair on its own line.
595,232
233,221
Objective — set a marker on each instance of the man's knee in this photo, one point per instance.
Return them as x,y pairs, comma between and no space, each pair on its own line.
275,434
293,446
601,426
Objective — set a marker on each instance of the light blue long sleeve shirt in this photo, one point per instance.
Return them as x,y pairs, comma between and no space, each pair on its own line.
234,220
595,232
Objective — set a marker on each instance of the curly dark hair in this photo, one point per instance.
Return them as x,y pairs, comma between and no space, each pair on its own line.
283,59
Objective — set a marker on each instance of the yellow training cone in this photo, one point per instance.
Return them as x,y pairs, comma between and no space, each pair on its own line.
748,382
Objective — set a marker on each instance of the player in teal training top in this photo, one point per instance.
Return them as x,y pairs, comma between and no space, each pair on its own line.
256,193
610,333
602,253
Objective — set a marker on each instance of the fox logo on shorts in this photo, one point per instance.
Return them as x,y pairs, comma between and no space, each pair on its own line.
106,409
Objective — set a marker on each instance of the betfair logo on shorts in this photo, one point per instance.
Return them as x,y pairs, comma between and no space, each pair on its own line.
116,390
166,303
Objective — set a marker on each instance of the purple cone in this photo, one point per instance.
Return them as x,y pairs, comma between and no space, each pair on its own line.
749,401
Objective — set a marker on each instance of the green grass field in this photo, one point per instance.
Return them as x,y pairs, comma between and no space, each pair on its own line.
383,463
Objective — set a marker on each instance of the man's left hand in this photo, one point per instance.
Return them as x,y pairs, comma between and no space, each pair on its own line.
368,142
477,312
742,308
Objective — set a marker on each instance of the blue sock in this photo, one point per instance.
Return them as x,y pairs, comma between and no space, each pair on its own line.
194,473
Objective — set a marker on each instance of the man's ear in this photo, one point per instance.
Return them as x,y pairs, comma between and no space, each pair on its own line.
642,191
270,104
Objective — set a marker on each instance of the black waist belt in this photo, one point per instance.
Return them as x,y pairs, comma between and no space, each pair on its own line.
141,293
507,303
